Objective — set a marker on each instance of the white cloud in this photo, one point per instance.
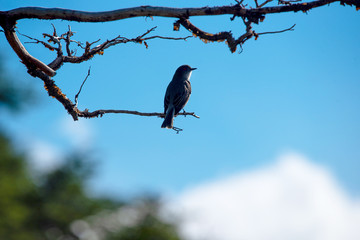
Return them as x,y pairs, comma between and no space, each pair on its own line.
79,133
293,199
43,156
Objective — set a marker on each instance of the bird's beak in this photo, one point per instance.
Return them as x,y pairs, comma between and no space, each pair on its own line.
192,69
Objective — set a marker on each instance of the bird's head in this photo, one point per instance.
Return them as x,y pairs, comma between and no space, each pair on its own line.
184,72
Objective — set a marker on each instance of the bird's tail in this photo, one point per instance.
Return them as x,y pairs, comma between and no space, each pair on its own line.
169,118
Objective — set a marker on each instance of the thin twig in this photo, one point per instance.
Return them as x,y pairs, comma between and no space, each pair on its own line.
288,2
36,41
67,40
77,95
147,32
239,2
54,33
90,51
168,38
264,3
288,29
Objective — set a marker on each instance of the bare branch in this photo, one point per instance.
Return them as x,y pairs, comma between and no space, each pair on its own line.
54,33
287,29
168,38
288,2
55,92
147,11
67,40
27,59
39,41
205,36
89,51
218,37
101,112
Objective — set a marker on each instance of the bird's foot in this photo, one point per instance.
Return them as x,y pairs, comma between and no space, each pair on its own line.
177,129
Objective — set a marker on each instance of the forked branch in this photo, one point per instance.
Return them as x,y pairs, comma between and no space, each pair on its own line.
89,51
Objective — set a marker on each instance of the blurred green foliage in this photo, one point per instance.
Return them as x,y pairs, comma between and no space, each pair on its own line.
16,193
47,208
148,226
13,96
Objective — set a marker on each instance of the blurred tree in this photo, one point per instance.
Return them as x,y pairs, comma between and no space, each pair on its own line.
16,186
47,210
140,219
149,225
16,190
12,97
61,198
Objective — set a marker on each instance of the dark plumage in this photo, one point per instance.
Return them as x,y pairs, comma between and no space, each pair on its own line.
177,94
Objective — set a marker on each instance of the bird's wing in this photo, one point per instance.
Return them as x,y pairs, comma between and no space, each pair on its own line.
166,102
182,97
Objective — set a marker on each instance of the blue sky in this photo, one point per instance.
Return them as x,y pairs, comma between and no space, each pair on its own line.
292,92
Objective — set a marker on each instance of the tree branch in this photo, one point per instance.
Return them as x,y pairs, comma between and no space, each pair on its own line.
101,112
146,11
45,44
55,92
89,51
218,37
25,57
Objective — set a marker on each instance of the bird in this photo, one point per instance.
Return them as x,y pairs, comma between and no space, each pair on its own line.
177,94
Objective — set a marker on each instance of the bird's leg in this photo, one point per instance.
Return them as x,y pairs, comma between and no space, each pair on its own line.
177,129
184,112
